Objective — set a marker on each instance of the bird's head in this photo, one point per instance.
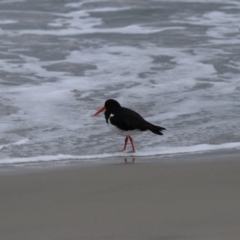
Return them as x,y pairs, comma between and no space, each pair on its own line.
111,105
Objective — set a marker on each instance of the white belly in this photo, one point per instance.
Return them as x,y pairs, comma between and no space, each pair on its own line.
122,132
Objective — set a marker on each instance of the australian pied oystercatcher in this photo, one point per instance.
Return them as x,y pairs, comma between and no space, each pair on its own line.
126,122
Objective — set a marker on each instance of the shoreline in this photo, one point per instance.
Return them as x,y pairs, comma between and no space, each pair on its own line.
180,198
41,166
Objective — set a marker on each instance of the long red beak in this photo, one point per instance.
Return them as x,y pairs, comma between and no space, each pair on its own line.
99,111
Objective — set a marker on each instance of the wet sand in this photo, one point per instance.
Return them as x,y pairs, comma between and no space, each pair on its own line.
147,200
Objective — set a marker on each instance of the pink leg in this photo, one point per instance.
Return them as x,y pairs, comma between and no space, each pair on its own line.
125,145
131,140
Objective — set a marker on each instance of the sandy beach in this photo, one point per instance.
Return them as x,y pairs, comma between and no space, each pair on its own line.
146,200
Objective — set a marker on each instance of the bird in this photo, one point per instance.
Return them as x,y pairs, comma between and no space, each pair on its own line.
126,122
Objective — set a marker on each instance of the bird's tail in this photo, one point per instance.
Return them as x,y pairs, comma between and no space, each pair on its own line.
156,129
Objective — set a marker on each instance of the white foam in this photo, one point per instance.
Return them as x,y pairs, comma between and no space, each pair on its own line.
143,153
80,4
191,149
80,22
221,24
52,105
131,29
8,21
178,87
20,142
11,1
201,1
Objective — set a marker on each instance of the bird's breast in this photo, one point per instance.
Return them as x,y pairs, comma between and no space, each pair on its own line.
117,128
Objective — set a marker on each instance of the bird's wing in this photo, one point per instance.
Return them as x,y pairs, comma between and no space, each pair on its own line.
127,119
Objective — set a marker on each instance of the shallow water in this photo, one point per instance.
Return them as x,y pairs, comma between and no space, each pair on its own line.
174,62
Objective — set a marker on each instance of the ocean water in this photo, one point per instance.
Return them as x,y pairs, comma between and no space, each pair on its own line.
175,62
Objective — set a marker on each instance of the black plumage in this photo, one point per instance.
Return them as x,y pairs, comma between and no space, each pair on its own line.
126,122
127,119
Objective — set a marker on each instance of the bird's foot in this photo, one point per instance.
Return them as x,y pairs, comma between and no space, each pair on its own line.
124,150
